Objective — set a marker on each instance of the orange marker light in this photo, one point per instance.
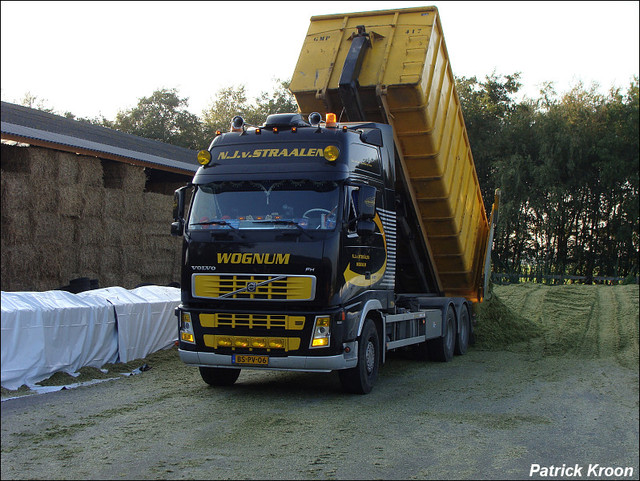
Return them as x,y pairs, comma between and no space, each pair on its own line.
331,120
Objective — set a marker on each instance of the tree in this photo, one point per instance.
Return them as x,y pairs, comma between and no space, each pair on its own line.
33,101
227,103
486,107
279,101
163,116
231,101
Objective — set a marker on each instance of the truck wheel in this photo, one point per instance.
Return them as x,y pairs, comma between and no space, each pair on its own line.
462,337
360,379
441,349
219,376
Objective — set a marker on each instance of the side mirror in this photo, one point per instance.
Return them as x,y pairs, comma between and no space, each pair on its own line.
177,226
367,202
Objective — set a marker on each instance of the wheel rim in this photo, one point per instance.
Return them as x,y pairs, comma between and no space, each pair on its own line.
370,357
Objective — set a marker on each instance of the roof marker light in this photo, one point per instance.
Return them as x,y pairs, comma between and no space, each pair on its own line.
331,120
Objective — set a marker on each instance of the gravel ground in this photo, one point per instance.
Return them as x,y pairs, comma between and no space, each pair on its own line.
557,398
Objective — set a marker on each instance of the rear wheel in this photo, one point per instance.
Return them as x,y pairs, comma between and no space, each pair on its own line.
462,337
442,348
360,379
219,376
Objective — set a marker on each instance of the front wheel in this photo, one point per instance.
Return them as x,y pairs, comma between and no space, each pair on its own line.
219,376
360,379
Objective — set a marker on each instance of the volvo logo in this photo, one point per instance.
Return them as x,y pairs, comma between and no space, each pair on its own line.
251,287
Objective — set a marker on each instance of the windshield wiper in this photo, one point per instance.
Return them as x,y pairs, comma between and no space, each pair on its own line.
220,232
284,222
216,222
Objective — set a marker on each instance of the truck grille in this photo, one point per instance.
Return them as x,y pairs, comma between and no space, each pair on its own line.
252,321
253,287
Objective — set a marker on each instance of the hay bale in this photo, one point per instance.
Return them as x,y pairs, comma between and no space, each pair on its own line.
158,207
120,233
133,205
67,168
88,262
111,260
123,176
43,164
129,280
156,266
54,230
93,202
16,227
112,233
16,195
89,171
134,178
70,202
89,232
68,255
114,205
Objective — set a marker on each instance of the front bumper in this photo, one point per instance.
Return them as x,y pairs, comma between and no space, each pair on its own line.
346,360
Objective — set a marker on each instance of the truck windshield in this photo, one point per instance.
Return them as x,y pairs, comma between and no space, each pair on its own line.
285,204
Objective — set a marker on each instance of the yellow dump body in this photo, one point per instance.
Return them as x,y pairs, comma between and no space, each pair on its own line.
406,81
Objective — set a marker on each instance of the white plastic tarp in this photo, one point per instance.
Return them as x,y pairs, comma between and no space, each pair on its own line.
145,318
46,332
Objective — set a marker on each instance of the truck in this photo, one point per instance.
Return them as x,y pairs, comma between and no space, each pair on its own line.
322,243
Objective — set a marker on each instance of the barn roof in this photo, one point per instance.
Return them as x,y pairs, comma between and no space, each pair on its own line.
35,127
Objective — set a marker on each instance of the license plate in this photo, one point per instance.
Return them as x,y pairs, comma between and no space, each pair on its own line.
250,360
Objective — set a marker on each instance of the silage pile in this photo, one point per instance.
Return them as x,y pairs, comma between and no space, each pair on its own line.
582,321
499,326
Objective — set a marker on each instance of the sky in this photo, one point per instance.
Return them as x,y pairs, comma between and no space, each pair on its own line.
97,58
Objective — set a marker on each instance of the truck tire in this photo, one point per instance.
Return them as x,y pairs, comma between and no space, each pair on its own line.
441,349
219,376
462,337
360,379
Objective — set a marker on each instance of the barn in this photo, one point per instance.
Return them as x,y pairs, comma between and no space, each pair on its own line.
86,205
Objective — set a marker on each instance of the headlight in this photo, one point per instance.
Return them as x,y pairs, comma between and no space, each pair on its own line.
321,332
186,328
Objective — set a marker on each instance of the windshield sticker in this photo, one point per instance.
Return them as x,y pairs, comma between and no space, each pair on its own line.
263,153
